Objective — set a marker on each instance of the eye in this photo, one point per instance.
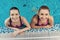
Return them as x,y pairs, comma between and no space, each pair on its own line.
46,14
12,14
42,14
16,14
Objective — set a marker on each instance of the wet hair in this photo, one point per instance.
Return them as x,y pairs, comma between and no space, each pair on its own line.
14,8
43,7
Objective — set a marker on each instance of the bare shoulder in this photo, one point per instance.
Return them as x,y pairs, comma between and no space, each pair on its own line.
51,17
22,18
7,20
34,19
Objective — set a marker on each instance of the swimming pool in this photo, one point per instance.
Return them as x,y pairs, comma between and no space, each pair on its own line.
29,8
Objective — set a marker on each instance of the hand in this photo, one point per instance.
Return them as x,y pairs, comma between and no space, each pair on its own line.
47,26
15,33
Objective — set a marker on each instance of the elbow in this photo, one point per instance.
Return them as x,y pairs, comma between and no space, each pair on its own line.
33,26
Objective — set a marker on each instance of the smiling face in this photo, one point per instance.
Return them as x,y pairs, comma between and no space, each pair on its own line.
43,14
14,15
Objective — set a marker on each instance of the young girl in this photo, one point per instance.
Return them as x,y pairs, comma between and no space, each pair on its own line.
16,22
42,19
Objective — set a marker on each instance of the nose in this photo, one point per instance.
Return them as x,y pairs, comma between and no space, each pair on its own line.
14,16
44,16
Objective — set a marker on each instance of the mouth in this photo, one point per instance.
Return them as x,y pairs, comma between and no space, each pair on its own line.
15,18
43,18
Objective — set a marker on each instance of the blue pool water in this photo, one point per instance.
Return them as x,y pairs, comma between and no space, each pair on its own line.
28,8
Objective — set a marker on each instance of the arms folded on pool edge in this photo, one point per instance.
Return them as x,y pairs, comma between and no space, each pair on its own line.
21,30
51,21
33,24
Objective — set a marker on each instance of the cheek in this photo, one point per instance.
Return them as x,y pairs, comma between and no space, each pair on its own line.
17,16
11,16
47,16
41,17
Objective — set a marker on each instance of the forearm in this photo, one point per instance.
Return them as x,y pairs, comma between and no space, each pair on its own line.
48,26
37,26
24,29
13,28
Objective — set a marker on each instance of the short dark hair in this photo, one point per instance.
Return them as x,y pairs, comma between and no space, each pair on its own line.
14,8
43,7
